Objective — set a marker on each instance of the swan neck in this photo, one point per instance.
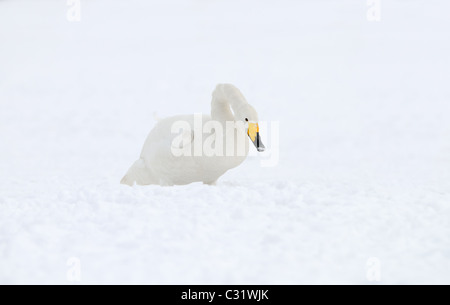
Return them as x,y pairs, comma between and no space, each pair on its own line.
227,103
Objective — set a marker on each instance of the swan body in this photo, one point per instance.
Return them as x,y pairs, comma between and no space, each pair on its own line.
173,156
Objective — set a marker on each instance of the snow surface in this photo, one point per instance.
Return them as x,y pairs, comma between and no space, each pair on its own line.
364,167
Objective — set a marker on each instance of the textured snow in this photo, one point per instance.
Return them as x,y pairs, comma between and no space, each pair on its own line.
364,168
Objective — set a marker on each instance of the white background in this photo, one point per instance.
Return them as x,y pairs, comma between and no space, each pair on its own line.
364,167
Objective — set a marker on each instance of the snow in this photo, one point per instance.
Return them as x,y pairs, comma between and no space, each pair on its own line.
364,154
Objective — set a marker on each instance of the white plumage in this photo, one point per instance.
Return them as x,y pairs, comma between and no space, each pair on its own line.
159,164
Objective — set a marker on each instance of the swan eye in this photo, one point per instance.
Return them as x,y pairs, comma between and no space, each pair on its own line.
246,119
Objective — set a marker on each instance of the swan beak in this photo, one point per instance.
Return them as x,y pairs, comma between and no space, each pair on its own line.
253,133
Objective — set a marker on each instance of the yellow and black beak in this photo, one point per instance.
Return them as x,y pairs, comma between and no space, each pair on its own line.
253,133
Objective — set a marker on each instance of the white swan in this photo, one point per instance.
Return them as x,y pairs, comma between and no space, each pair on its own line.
161,162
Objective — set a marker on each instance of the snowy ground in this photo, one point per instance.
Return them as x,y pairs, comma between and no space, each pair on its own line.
364,167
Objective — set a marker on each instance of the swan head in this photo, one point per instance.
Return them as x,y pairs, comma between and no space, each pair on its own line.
249,116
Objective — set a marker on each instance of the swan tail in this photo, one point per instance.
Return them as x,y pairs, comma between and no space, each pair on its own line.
139,174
